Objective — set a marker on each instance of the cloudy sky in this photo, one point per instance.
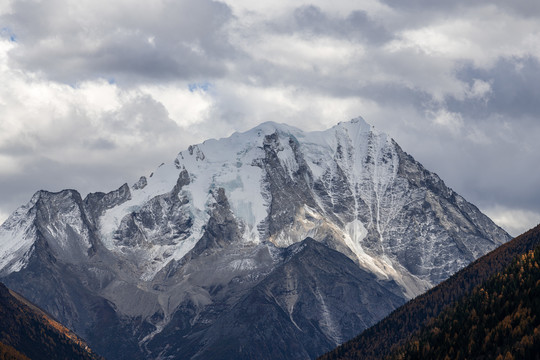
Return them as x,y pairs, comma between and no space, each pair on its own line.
97,93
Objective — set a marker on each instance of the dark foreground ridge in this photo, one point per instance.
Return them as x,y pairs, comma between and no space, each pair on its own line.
499,320
26,332
393,331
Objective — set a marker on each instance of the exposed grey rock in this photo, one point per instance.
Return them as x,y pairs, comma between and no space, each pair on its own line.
141,183
97,203
162,220
287,191
314,298
208,257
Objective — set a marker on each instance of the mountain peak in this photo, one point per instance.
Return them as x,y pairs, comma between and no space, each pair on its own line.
168,257
357,121
270,127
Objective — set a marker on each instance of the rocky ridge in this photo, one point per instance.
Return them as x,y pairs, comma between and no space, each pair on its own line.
242,229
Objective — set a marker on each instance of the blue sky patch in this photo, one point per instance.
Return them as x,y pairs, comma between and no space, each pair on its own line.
8,33
204,86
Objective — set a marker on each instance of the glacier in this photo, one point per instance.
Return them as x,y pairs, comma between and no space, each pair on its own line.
228,224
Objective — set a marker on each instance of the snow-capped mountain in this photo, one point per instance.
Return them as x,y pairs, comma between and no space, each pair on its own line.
273,243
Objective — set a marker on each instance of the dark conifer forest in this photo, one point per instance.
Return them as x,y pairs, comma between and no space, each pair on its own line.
28,333
506,318
500,319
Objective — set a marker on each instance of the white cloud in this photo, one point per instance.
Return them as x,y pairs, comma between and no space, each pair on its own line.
297,52
514,221
451,121
479,89
124,40
3,216
242,106
104,94
282,8
480,33
10,165
185,107
96,128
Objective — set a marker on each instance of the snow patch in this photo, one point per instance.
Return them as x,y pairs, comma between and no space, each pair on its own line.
17,235
243,264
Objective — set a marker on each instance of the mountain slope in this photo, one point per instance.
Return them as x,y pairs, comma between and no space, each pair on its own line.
499,319
175,254
9,353
27,332
307,303
394,330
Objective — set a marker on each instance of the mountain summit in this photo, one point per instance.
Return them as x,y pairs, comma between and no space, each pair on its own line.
273,243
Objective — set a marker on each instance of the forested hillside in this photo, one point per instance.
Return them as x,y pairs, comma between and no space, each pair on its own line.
26,332
377,341
499,320
9,353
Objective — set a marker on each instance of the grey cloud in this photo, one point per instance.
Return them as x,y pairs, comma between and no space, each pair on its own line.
358,78
360,23
141,115
490,159
425,5
47,174
97,157
182,39
100,144
16,147
356,26
502,170
395,94
521,7
515,89
499,173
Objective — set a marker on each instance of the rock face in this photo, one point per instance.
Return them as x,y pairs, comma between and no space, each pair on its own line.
274,243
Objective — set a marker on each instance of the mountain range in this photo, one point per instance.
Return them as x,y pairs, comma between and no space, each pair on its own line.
272,244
